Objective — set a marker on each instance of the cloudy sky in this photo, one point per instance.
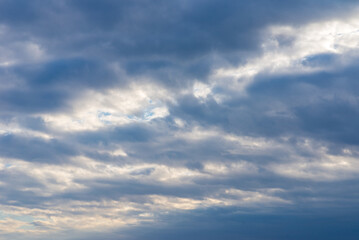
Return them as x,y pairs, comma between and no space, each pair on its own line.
181,119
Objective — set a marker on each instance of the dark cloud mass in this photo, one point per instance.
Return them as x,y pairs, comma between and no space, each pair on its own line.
179,119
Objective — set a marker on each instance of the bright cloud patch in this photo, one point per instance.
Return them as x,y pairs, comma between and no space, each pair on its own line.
299,49
113,107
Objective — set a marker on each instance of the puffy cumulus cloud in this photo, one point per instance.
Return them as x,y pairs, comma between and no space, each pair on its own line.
179,119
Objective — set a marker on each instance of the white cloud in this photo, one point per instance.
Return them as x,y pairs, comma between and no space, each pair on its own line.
335,36
114,214
94,109
201,90
326,168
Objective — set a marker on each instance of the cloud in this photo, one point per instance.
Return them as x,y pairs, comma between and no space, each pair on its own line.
178,119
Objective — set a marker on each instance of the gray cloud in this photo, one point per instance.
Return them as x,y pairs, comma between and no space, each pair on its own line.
115,118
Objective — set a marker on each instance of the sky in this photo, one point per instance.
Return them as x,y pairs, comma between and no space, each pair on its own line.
181,119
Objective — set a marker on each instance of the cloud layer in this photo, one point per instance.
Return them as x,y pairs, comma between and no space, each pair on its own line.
179,119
